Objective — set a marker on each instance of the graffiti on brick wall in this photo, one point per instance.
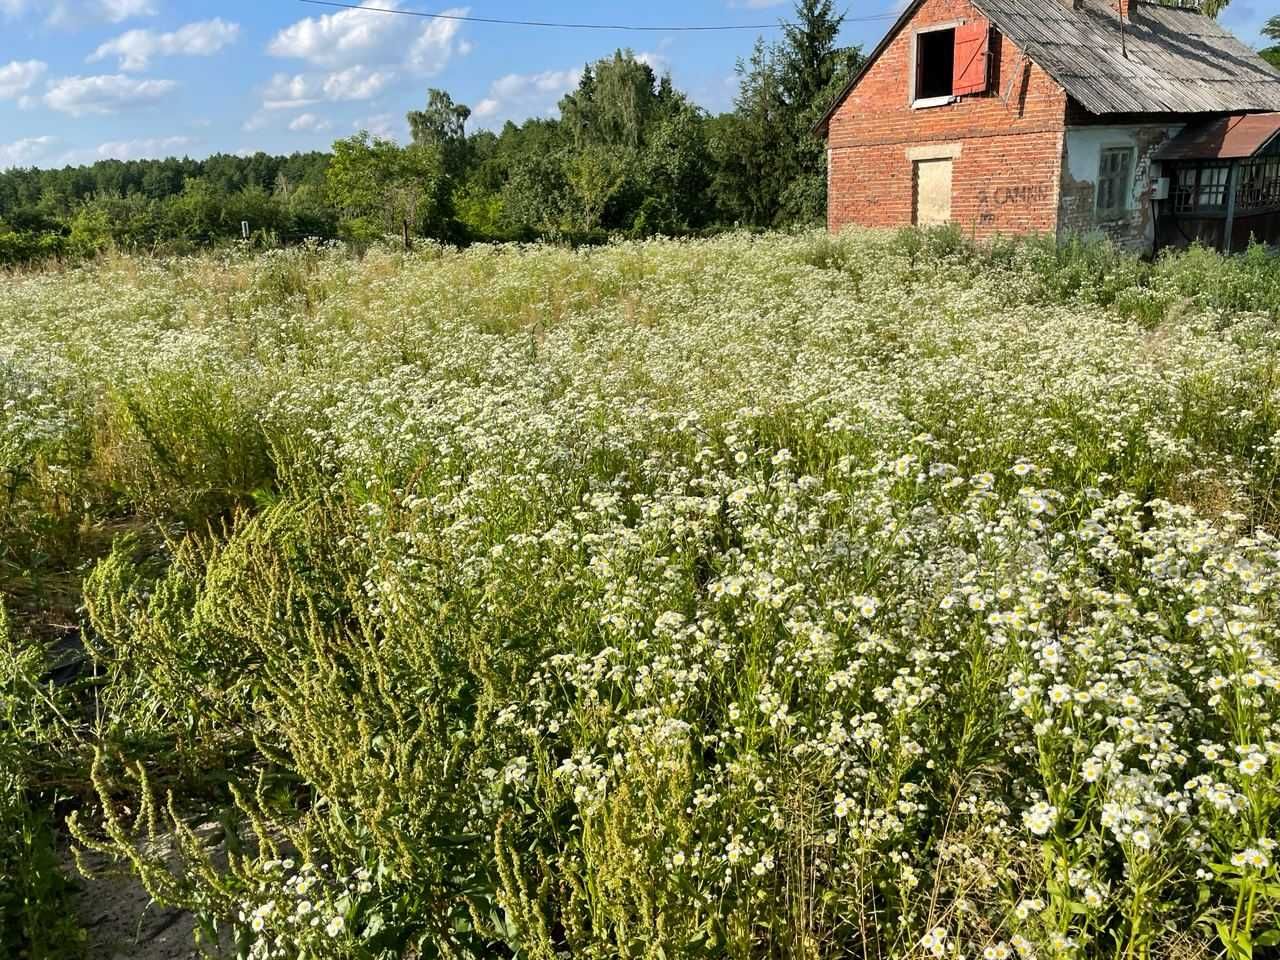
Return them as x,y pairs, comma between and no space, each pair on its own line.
1020,195
992,200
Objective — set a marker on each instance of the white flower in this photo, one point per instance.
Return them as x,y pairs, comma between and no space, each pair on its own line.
935,941
1040,818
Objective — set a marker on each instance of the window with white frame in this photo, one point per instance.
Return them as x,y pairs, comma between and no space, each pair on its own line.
935,64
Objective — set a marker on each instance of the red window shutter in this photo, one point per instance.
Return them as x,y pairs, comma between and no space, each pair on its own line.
973,41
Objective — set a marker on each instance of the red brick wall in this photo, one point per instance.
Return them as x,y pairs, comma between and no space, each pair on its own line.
1006,177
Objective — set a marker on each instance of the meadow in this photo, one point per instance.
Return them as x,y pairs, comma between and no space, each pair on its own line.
784,596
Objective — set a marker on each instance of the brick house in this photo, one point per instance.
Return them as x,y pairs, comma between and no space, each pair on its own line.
1151,124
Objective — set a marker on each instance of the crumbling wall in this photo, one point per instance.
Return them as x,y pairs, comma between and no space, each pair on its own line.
1081,158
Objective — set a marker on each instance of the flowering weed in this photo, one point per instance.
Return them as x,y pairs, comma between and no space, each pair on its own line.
794,597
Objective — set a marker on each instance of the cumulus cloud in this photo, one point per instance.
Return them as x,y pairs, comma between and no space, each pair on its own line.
285,92
117,10
435,47
359,53
526,94
145,149
388,126
74,13
342,38
105,93
308,123
356,83
24,153
657,62
136,47
19,76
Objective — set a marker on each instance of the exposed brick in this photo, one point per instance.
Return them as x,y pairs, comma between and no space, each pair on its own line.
1007,176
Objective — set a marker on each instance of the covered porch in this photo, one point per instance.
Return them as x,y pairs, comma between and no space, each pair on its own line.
1223,180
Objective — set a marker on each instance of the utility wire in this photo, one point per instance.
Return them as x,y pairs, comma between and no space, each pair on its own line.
577,26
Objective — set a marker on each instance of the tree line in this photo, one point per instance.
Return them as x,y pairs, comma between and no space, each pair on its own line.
629,153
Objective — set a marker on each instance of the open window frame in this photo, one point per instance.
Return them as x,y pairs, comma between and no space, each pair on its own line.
949,61
919,96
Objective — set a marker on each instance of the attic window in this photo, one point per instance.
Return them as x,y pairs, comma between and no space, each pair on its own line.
951,61
935,64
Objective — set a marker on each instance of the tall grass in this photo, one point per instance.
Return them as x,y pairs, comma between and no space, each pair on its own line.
794,597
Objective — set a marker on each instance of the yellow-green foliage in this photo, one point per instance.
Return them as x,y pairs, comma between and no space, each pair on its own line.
789,596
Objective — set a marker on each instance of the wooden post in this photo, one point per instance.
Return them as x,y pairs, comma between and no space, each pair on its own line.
407,244
1233,183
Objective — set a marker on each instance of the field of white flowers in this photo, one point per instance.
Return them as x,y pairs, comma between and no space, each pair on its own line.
774,597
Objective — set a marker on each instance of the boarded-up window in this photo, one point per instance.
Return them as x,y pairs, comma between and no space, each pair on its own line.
1115,176
932,190
969,68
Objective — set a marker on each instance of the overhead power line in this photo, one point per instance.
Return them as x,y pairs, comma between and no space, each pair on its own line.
579,26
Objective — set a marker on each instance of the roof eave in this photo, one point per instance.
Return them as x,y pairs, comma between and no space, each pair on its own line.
821,127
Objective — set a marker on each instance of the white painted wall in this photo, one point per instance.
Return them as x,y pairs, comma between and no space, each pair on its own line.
1082,150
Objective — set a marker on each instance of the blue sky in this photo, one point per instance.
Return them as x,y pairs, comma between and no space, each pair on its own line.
81,80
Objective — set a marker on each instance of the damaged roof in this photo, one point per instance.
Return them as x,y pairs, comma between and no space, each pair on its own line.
1178,60
1171,60
1224,138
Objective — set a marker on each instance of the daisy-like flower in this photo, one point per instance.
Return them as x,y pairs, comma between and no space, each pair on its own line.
1251,765
1040,818
935,941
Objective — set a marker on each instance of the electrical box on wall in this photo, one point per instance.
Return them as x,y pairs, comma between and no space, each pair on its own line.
1160,188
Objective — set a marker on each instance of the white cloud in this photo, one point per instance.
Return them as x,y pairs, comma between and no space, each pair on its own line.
105,93
75,13
308,123
337,39
525,94
117,10
19,76
24,153
136,47
150,148
657,62
373,39
285,92
388,126
356,83
435,46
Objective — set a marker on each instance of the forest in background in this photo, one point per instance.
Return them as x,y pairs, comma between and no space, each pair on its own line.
629,153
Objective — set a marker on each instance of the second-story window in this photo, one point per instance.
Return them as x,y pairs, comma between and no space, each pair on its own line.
935,63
